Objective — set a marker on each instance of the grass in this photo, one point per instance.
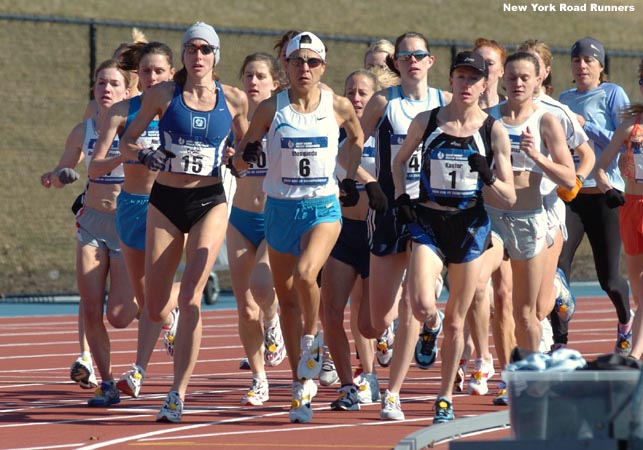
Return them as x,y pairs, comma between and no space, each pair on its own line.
45,79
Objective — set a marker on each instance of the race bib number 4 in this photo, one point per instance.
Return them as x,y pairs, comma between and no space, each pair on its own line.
451,175
303,161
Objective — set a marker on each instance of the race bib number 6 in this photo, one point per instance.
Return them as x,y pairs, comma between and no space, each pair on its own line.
303,162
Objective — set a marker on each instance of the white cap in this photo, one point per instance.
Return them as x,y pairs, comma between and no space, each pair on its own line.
306,40
201,30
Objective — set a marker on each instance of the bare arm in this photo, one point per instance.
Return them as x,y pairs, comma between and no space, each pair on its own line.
109,124
259,126
238,106
155,102
70,158
503,188
560,168
354,143
411,142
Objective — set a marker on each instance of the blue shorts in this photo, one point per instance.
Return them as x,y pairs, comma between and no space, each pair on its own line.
288,220
352,246
455,236
98,229
385,235
251,225
131,219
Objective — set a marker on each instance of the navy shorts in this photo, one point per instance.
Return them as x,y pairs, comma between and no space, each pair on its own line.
352,246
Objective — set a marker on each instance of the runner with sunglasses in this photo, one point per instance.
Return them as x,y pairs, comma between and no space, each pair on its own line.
388,115
187,203
302,213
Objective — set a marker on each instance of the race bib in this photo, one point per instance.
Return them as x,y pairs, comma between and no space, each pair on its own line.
193,157
451,175
413,165
302,161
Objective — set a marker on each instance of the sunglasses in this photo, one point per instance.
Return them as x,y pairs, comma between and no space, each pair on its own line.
640,81
205,49
298,61
419,55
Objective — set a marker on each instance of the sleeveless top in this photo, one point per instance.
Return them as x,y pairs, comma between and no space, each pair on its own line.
150,137
117,175
391,132
302,150
367,162
446,178
520,162
633,168
197,138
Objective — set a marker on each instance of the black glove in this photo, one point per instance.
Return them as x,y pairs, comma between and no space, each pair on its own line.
350,195
405,212
154,159
478,163
67,175
376,197
614,198
252,151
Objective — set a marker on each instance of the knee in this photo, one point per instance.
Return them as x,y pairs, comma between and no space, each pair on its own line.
249,314
119,317
305,278
262,291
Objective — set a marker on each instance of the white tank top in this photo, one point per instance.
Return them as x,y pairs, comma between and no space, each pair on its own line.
520,162
302,151
367,162
117,175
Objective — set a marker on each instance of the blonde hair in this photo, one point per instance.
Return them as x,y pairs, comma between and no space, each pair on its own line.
385,77
543,50
381,46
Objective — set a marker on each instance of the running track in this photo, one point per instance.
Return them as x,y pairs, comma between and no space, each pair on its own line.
40,408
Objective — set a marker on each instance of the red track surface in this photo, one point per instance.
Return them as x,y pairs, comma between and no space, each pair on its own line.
41,408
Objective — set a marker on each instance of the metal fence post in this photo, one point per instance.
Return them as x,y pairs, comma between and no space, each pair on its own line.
92,56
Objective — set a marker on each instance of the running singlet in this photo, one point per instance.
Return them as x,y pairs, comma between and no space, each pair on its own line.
117,175
446,177
302,150
520,162
150,137
391,132
197,138
634,153
367,162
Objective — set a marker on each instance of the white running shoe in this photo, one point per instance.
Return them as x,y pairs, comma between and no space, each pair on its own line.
460,376
347,400
368,388
257,394
482,371
384,346
547,336
391,408
131,381
82,372
169,331
301,410
328,375
172,409
274,346
310,359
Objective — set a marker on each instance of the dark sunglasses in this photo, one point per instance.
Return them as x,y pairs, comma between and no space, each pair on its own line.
419,55
298,61
640,81
205,49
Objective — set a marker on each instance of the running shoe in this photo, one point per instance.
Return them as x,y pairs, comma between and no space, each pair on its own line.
310,359
368,388
391,407
244,364
443,410
106,395
347,400
328,375
82,372
301,410
565,301
426,349
624,337
501,398
257,395
132,381
172,409
274,346
482,371
384,346
460,376
169,331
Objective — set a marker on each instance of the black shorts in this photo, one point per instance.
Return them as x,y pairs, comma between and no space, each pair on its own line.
352,246
186,206
385,235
